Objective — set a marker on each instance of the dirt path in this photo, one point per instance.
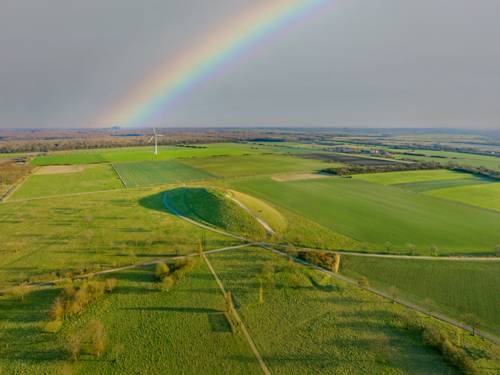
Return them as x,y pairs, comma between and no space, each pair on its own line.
265,225
396,256
255,351
131,266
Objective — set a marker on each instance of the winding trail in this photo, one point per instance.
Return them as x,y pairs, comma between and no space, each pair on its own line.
348,280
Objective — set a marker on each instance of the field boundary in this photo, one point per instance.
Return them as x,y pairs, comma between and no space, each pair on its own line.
247,335
119,175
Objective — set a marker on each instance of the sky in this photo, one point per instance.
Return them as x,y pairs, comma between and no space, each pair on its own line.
345,63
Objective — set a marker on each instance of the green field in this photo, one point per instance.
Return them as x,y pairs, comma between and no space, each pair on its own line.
158,172
422,181
378,214
310,324
91,178
452,286
181,331
41,237
406,177
237,166
145,153
487,196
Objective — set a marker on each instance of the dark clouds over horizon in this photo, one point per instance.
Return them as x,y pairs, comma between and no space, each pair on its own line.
359,63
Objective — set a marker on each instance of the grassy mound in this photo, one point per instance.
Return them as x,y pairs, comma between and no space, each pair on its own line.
262,210
211,206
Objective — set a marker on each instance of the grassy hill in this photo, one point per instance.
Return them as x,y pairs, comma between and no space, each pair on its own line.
211,206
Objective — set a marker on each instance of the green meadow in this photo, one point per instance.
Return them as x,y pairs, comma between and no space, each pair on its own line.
447,286
91,178
45,237
407,177
158,172
386,217
149,331
238,166
307,323
145,153
487,196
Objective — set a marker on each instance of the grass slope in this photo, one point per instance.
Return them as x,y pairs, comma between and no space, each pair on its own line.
453,286
378,214
181,331
487,196
210,205
158,172
92,178
310,324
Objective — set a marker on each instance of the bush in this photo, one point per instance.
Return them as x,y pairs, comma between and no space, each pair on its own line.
167,283
161,270
53,326
110,285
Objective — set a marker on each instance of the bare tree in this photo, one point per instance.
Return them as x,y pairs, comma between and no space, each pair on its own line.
472,321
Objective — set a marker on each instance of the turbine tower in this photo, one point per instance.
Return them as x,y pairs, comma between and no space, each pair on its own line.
155,137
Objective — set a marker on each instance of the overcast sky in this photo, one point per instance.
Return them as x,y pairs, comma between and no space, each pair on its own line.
359,63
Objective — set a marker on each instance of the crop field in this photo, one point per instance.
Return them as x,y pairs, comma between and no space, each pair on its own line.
238,166
73,233
487,196
450,287
423,181
445,157
386,217
408,177
145,153
183,329
91,178
349,159
158,172
307,323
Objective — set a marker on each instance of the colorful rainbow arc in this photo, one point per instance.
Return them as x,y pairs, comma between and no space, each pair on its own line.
221,46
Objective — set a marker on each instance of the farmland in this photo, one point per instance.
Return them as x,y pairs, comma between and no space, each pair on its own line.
239,166
487,196
91,178
116,210
158,172
370,213
447,286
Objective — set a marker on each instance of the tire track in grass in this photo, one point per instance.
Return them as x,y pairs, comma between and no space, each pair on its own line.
251,342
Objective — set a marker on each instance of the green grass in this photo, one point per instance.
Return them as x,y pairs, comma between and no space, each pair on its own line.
487,196
262,210
377,214
311,324
145,153
452,286
237,166
427,186
211,206
92,178
109,229
392,178
149,331
158,172
68,158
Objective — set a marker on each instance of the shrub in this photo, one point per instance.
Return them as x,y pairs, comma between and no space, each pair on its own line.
167,283
57,309
110,285
363,282
161,270
98,338
74,347
53,326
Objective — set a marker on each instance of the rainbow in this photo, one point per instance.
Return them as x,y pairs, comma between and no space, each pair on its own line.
176,76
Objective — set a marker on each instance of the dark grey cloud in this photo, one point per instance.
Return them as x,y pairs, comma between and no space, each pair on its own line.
426,63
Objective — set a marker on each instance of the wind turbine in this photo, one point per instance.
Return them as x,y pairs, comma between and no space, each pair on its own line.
155,137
